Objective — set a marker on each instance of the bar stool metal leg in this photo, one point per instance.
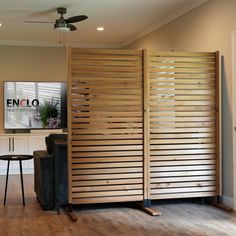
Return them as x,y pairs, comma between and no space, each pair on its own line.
22,183
5,195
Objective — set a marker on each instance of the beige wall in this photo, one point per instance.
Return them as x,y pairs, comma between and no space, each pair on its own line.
30,64
207,28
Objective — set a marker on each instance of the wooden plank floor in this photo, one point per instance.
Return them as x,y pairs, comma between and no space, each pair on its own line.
177,219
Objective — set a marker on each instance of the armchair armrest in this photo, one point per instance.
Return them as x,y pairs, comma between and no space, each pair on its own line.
44,179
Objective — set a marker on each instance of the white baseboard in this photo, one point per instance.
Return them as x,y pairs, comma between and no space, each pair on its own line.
228,201
17,171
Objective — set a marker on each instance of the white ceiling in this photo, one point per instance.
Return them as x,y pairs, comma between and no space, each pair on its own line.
123,20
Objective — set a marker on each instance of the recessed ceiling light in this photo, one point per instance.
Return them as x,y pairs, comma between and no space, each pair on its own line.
0,24
100,28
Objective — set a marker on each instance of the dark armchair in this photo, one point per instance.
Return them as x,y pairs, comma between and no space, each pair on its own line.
50,173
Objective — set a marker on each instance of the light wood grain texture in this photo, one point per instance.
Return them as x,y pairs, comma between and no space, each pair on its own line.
183,111
106,105
143,115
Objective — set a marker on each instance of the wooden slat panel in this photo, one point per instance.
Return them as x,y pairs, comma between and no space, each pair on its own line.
106,125
106,110
182,123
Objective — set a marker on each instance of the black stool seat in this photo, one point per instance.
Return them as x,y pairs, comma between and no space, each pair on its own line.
20,158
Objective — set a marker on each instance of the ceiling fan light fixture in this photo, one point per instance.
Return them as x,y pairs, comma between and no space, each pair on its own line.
64,27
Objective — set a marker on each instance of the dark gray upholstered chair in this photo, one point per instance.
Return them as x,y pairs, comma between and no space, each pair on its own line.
50,173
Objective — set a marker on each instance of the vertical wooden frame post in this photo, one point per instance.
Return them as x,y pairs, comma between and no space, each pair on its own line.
69,161
146,133
218,125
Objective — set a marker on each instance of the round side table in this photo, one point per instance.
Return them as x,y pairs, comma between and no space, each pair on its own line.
19,158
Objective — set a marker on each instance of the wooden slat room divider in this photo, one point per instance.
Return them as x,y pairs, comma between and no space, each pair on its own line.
105,126
181,124
142,126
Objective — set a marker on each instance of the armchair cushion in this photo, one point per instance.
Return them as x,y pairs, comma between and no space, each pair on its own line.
50,139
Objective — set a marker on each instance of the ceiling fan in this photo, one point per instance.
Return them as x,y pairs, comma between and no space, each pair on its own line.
63,24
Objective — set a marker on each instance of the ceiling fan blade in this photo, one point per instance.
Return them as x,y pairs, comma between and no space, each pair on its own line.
30,21
75,19
72,28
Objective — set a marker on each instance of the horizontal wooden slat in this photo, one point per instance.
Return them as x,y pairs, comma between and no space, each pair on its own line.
179,87
181,146
199,70
110,182
107,188
106,119
183,184
183,91
108,154
180,179
182,157
107,142
181,163
182,59
183,190
107,193
81,51
182,65
107,131
183,195
178,135
107,177
159,114
101,170
98,160
182,130
106,63
161,125
182,168
107,125
107,199
98,165
179,141
181,152
181,76
105,136
182,119
155,53
107,148
183,173
110,57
